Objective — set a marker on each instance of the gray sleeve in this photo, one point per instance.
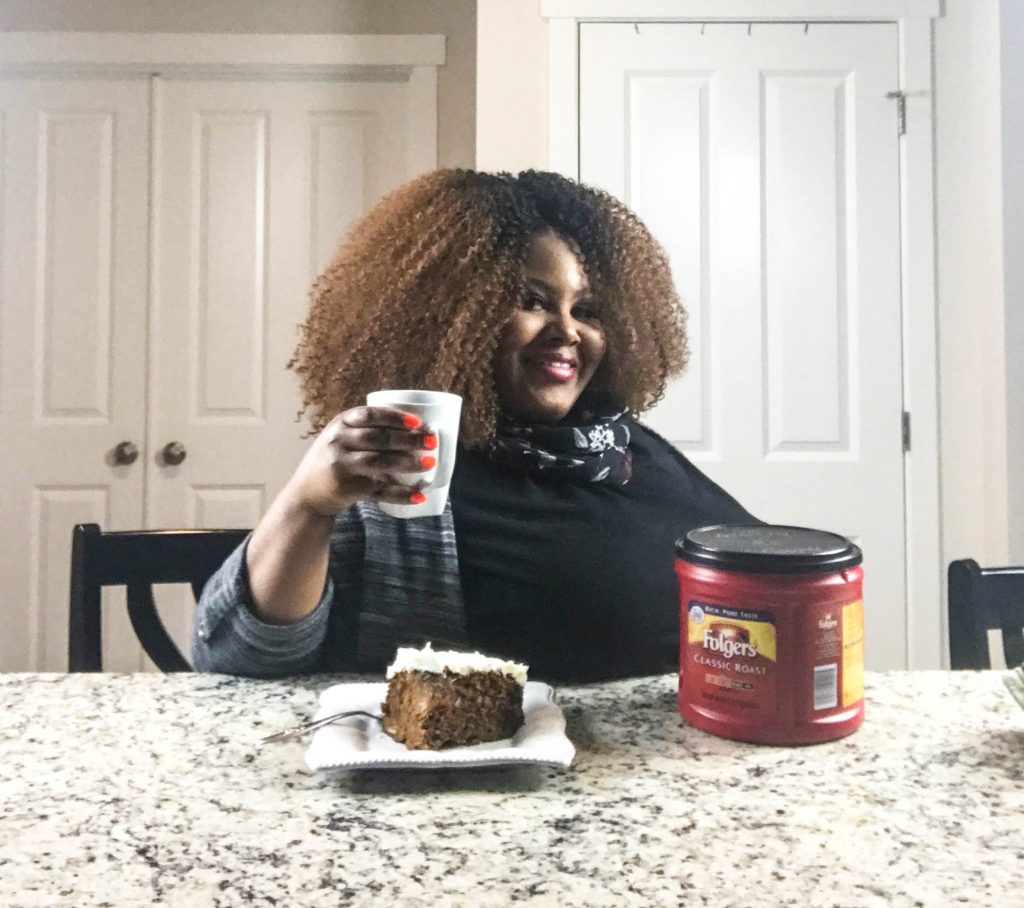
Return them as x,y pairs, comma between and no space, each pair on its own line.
227,637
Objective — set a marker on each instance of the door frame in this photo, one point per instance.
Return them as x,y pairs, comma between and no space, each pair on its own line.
411,58
926,620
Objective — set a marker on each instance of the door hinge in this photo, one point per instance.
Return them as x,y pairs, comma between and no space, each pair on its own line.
906,431
901,110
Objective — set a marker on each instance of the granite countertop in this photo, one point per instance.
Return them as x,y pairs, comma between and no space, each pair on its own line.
154,790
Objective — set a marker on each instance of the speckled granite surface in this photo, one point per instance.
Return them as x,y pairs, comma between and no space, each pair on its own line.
154,790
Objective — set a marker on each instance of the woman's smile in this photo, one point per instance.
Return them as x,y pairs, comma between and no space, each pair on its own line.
553,344
557,367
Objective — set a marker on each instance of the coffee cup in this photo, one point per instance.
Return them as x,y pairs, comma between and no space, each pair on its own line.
439,412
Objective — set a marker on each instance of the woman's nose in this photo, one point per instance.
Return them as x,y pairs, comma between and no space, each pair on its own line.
564,326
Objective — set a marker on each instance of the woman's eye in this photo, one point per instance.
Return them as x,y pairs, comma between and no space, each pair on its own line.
586,311
533,302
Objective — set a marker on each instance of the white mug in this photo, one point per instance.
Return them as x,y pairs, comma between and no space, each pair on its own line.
440,412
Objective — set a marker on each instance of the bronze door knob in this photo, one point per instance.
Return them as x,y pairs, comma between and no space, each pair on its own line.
173,453
125,453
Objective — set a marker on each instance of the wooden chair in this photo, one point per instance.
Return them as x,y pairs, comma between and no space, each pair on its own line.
137,560
982,599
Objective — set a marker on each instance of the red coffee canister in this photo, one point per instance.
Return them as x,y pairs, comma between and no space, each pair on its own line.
771,642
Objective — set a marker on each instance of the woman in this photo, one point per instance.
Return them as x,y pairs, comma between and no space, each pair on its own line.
551,310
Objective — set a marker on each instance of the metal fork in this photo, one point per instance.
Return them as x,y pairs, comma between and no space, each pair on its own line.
314,724
1015,684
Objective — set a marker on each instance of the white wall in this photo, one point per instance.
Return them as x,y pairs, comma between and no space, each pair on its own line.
456,19
512,86
971,314
1012,61
970,277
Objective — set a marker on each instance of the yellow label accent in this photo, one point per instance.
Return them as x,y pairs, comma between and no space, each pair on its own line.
853,652
760,633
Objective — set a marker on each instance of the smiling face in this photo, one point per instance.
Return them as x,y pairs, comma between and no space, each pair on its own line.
552,346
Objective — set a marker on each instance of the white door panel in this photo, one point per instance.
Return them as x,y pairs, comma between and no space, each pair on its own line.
72,344
767,164
256,183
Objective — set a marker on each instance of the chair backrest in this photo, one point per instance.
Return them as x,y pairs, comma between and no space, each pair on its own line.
983,599
137,560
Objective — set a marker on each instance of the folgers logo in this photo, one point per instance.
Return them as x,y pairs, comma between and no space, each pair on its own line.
729,640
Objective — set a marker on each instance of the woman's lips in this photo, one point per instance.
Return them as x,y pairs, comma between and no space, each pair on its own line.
553,369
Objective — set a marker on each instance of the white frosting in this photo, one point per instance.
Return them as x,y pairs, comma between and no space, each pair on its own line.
426,660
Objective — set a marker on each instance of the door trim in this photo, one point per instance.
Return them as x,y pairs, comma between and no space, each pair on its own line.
724,10
926,622
187,50
410,58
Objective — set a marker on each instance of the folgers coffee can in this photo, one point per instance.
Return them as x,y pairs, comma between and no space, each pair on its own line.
771,633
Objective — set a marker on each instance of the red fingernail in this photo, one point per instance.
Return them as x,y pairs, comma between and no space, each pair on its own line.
417,498
428,462
411,421
430,442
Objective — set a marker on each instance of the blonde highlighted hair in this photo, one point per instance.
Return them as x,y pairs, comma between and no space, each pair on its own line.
422,286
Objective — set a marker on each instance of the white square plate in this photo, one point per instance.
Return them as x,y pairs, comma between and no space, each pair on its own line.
360,743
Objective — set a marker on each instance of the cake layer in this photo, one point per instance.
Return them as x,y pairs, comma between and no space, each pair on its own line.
432,710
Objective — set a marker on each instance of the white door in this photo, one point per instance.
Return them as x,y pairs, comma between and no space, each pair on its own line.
766,161
255,184
73,260
170,321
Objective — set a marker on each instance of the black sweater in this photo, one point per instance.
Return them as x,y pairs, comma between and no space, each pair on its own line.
578,580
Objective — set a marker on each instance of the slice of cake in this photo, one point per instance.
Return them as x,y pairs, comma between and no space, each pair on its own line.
450,699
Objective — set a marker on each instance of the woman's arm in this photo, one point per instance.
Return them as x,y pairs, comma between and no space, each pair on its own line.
287,560
228,637
266,609
350,460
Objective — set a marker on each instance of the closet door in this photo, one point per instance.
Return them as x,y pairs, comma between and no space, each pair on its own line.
766,160
74,186
256,182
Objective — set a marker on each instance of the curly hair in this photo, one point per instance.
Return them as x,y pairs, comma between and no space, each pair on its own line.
422,286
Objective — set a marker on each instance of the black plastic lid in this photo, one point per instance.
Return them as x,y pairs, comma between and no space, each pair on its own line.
768,549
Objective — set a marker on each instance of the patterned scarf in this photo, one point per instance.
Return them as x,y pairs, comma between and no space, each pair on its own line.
591,445
406,572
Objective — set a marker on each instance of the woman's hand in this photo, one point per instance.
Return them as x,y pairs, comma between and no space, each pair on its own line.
356,456
353,458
